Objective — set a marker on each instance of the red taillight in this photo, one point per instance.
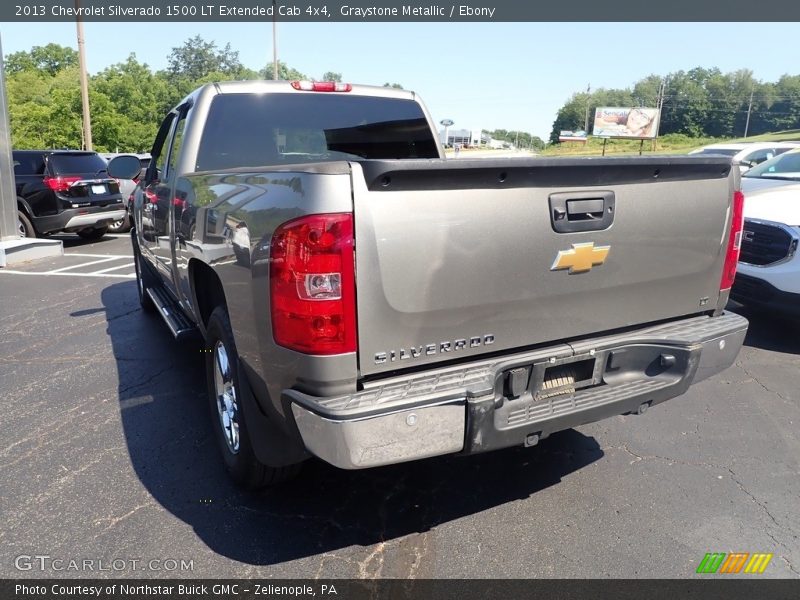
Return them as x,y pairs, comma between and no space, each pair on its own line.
312,284
322,86
60,183
734,242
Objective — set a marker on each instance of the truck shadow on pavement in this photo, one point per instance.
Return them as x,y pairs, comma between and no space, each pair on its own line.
168,431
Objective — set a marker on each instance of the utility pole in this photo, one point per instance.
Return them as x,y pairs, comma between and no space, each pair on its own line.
87,119
588,98
662,91
8,196
274,43
749,109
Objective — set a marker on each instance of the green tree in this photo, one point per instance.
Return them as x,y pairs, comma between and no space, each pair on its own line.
784,110
29,107
285,73
523,138
196,58
49,59
128,100
138,101
571,116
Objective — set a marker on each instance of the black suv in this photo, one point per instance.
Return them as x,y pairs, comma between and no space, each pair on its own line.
65,190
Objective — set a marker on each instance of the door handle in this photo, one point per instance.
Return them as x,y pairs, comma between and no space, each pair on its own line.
573,212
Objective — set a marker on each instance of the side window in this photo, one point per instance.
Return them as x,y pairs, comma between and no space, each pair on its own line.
28,164
759,156
22,166
177,144
159,152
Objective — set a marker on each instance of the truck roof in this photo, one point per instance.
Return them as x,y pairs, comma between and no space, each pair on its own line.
261,86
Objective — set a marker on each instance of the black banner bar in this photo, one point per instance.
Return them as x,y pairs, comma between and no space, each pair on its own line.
733,588
398,11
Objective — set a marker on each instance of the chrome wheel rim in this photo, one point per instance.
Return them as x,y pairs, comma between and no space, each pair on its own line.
227,405
117,224
21,228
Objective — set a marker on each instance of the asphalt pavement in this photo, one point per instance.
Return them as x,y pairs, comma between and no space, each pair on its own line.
106,456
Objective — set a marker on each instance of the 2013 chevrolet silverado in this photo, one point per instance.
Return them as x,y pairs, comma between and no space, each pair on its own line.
367,301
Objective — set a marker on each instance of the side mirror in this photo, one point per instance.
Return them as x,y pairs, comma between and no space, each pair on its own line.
124,167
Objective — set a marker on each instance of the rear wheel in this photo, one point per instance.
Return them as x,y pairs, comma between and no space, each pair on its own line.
229,423
24,226
93,233
122,225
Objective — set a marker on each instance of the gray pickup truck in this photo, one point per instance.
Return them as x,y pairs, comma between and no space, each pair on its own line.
366,301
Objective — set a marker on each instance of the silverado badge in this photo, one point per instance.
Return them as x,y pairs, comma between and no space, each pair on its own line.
581,258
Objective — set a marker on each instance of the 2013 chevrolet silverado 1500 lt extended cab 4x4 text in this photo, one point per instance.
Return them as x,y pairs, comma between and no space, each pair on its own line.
364,300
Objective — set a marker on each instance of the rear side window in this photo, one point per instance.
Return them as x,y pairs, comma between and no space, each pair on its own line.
249,130
76,163
28,163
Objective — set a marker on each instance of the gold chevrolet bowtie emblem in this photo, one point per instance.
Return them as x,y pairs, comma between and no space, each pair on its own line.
581,258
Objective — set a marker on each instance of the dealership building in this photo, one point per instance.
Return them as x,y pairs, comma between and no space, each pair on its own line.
468,137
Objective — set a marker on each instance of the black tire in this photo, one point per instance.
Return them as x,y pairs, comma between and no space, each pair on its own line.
121,226
93,233
144,280
239,457
25,226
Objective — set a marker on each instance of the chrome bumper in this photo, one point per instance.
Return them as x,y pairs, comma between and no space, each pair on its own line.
464,408
386,439
90,219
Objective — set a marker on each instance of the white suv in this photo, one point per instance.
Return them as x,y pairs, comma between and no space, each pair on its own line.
748,154
768,275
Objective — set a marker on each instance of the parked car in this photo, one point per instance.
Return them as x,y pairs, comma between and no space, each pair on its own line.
389,305
126,187
768,277
748,154
65,190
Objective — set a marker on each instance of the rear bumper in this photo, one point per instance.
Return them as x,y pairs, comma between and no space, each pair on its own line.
80,218
474,408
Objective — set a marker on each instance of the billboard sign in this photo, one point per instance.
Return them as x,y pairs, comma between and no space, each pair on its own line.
633,123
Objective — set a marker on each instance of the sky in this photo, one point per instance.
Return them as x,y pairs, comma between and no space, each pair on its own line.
512,76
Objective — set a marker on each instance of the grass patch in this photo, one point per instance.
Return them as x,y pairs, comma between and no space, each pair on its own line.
790,135
672,143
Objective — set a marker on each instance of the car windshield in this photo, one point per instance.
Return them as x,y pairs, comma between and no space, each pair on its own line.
719,151
785,166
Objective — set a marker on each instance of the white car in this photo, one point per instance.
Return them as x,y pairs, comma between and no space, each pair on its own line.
768,274
126,187
748,154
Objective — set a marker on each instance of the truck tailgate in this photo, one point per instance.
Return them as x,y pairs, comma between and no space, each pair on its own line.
460,258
